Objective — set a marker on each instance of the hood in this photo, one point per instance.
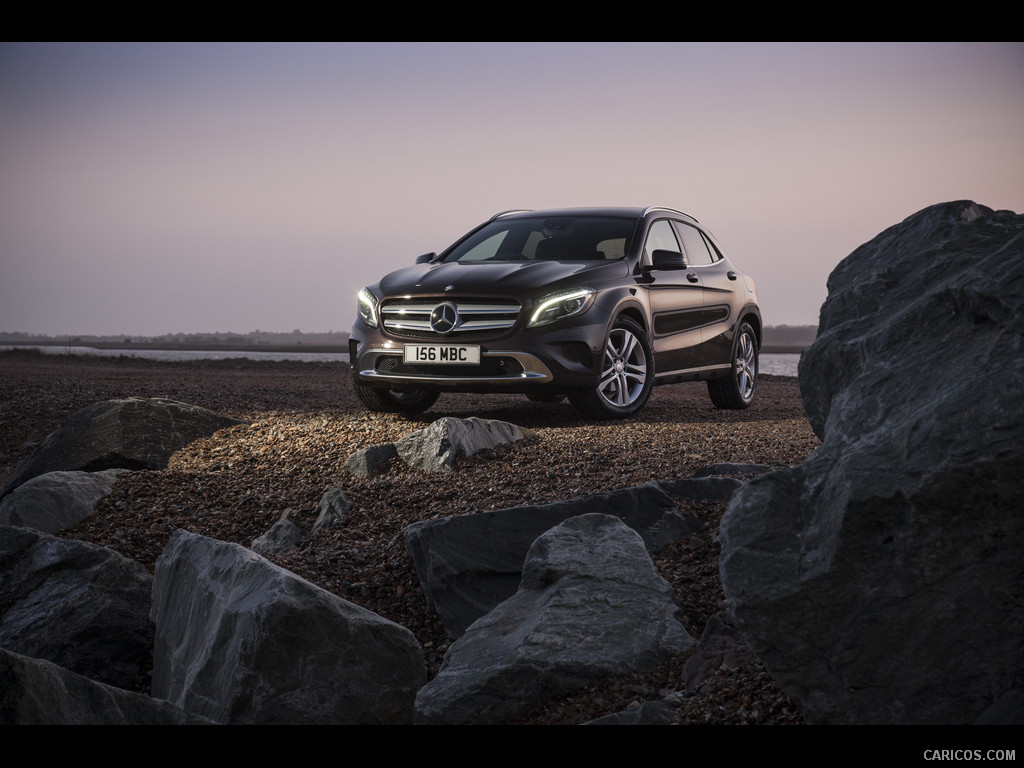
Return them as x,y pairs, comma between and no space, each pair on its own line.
521,279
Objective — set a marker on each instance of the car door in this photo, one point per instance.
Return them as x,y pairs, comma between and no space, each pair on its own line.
720,283
676,299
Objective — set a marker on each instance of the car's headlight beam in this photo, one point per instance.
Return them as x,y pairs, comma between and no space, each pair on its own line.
562,304
368,307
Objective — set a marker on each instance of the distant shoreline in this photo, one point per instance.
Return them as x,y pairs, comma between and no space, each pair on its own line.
777,349
187,347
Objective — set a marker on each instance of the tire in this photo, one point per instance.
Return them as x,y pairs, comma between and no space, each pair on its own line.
393,401
737,390
627,374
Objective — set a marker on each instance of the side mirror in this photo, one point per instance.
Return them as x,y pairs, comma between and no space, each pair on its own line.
425,258
667,260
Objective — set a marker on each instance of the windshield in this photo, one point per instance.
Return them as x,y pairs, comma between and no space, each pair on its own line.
553,238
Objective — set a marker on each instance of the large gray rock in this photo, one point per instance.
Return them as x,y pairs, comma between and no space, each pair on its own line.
80,606
135,433
332,509
469,564
647,713
56,500
881,581
702,488
239,640
38,692
591,605
435,448
719,646
282,536
368,461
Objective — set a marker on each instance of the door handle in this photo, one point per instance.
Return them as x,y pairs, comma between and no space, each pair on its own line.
692,277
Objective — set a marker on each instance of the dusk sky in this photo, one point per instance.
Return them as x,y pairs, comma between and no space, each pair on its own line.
160,188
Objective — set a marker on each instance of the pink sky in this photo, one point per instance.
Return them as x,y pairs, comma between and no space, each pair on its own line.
161,188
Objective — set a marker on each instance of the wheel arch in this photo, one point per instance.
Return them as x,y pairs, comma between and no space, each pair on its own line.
753,317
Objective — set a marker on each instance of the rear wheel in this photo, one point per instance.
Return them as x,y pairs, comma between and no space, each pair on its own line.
737,391
627,374
395,401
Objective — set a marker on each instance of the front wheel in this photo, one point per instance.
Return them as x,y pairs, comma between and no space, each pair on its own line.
627,375
394,401
737,391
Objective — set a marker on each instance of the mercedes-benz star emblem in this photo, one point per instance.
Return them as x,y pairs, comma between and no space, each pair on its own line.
444,318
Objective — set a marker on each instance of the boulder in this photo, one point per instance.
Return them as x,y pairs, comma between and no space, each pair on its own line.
701,488
646,713
368,461
56,500
468,564
283,536
880,581
240,640
134,433
435,448
38,692
83,607
331,510
720,646
743,471
591,605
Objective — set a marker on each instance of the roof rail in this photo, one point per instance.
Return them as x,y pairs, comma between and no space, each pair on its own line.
505,213
650,208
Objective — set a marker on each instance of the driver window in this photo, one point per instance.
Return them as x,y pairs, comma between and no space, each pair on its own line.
660,237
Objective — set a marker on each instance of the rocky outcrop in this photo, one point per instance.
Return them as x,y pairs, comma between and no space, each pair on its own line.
37,692
720,645
880,581
77,605
134,433
648,713
468,564
283,536
56,500
435,448
591,605
331,509
239,640
369,460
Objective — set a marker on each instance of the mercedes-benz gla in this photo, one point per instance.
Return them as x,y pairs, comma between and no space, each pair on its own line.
594,304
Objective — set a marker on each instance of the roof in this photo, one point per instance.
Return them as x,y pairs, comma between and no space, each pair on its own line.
632,213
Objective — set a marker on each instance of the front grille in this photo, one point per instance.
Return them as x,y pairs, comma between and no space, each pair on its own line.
490,367
477,318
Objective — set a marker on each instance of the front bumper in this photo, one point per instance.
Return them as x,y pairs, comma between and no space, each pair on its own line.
496,368
548,359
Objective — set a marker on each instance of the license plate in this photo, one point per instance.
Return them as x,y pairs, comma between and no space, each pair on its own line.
456,354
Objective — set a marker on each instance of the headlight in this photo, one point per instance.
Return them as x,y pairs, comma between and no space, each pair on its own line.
368,307
562,304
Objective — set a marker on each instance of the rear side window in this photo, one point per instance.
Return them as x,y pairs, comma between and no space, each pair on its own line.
695,247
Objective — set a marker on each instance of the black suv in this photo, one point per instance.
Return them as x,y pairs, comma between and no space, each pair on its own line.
595,304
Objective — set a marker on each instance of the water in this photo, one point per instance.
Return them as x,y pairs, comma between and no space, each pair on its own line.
777,364
189,354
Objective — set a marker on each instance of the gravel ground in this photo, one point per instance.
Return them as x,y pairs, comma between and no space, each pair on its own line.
304,422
